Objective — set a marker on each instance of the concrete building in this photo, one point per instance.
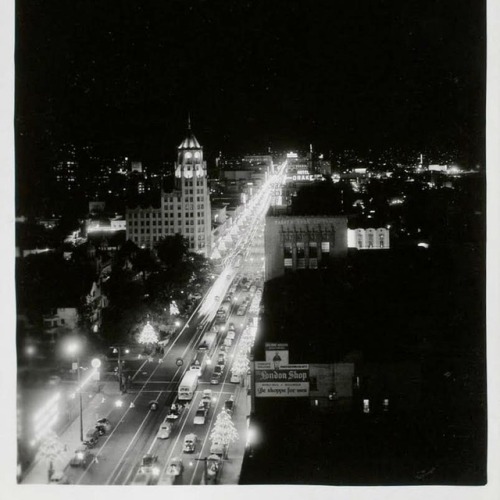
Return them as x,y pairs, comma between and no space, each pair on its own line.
294,242
185,210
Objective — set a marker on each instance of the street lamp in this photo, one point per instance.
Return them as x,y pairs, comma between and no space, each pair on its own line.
73,349
118,350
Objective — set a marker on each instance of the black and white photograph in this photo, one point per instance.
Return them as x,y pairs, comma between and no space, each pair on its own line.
250,244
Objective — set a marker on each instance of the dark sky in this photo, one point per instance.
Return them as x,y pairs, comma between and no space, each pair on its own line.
124,74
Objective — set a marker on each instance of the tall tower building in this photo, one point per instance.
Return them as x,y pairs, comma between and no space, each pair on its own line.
185,210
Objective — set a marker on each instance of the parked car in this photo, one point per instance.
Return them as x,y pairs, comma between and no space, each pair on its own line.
103,425
189,445
215,378
165,430
217,448
81,457
213,469
228,342
229,405
231,334
200,415
218,369
235,379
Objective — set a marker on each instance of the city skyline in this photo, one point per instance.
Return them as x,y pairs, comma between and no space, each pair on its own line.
252,76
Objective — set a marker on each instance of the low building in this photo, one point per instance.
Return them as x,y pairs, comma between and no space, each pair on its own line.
294,242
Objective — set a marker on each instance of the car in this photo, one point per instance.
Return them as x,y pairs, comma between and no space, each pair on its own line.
216,297
149,471
215,378
241,311
217,448
189,445
213,468
54,380
103,425
229,405
232,326
165,430
91,438
200,415
218,369
224,348
197,295
153,405
230,335
81,457
59,478
175,467
235,379
174,412
221,359
228,342
206,399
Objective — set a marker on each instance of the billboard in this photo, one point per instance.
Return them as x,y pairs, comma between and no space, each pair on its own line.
287,381
277,352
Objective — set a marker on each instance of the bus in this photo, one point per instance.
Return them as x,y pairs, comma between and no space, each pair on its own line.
207,343
223,312
188,385
199,362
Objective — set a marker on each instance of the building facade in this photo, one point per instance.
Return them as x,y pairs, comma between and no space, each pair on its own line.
302,242
185,210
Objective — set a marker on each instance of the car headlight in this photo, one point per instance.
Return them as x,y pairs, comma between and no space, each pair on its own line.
156,471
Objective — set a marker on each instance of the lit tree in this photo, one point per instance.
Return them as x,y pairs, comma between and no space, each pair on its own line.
240,366
174,310
224,431
148,335
51,450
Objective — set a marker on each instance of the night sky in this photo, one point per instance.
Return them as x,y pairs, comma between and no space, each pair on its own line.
368,74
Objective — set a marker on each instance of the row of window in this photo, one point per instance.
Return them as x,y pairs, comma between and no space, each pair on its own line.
141,240
302,263
153,216
189,222
191,191
198,181
301,251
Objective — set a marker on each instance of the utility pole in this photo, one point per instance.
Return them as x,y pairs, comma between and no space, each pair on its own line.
118,350
80,396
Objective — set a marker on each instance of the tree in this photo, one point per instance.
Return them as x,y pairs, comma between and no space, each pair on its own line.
148,335
51,450
240,366
224,431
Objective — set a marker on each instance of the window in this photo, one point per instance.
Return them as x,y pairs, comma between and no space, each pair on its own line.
287,250
370,240
313,250
288,263
300,250
325,247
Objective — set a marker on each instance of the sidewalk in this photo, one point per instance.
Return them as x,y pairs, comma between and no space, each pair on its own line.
232,466
100,406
